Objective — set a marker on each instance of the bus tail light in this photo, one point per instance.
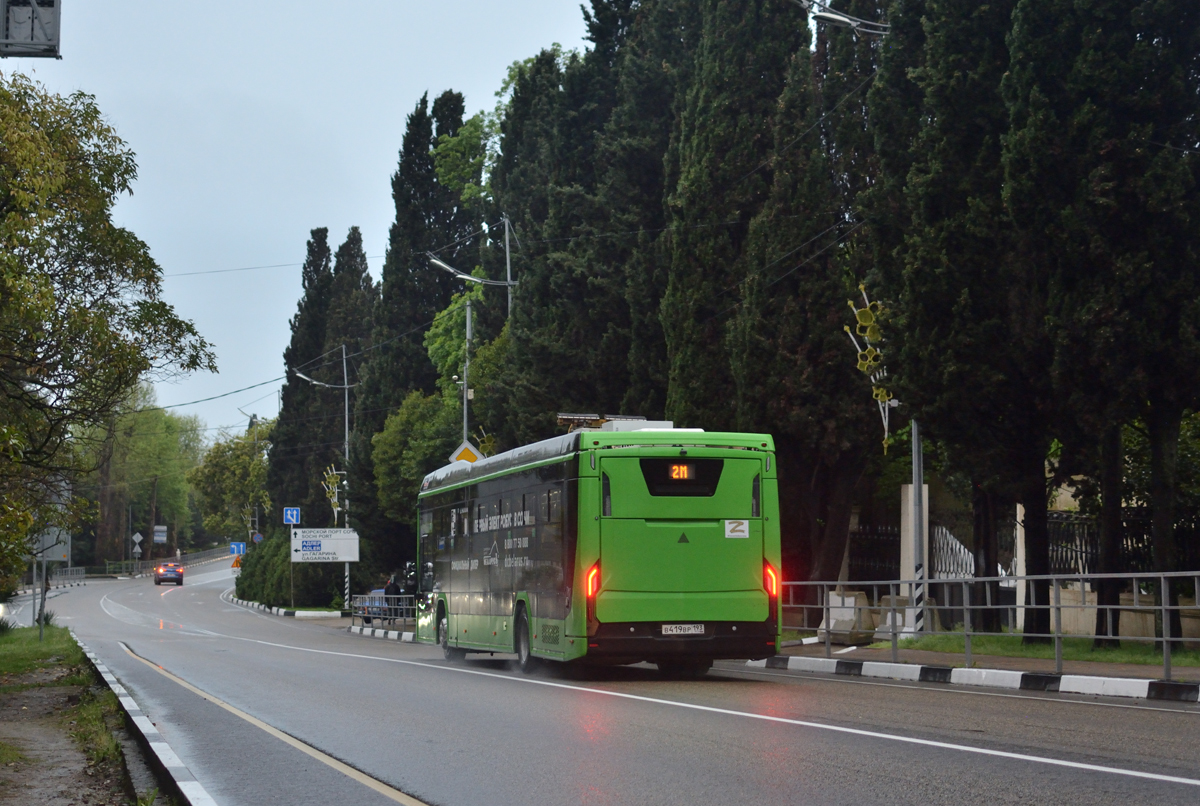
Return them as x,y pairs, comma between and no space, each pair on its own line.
771,585
591,586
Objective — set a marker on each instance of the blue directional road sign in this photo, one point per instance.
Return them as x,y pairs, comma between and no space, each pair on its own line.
291,515
237,548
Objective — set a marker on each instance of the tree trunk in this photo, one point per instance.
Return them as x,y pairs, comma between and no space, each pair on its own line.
1163,419
1108,591
987,552
1037,551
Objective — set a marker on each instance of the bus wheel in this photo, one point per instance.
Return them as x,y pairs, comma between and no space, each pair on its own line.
448,652
525,659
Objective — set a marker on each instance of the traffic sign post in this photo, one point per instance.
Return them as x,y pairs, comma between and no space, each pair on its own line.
326,546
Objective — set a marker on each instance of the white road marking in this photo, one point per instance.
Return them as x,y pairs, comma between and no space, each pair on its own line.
982,751
858,681
749,715
372,783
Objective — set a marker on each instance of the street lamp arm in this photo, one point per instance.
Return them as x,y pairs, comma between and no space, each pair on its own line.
463,276
824,13
326,385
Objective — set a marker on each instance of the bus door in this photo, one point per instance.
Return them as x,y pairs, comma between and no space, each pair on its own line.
678,528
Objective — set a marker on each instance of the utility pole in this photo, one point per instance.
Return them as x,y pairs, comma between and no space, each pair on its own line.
346,447
918,518
507,273
467,366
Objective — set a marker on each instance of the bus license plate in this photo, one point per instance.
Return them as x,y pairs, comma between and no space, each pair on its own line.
683,629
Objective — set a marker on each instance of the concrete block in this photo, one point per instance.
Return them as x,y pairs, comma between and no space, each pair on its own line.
821,665
992,678
891,671
1104,686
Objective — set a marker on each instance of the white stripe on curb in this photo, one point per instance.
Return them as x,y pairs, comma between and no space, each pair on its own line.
1104,686
192,790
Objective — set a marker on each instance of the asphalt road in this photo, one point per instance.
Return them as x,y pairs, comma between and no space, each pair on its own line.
481,732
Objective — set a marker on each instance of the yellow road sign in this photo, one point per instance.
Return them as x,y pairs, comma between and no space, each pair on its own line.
466,452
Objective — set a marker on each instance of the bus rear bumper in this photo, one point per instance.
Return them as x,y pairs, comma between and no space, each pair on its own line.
632,642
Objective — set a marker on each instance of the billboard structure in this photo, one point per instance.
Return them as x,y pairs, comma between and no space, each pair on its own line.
29,28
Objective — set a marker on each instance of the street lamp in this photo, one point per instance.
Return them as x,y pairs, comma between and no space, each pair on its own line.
828,16
508,283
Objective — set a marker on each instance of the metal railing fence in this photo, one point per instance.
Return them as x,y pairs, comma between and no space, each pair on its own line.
373,607
864,612
63,574
135,567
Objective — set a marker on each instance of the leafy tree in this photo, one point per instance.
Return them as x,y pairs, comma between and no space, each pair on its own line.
81,314
230,482
138,478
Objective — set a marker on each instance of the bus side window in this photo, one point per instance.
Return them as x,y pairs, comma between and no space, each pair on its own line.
426,523
544,508
555,509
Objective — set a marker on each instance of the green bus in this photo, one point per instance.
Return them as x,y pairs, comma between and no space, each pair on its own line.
608,547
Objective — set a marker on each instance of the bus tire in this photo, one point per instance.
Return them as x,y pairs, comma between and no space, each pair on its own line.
526,662
450,653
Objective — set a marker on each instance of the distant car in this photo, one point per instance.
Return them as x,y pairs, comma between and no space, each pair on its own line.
168,572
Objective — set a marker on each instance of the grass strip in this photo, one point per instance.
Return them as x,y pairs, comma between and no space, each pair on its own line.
10,754
1074,648
90,730
21,652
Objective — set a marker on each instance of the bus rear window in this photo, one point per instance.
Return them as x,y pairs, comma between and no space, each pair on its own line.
682,476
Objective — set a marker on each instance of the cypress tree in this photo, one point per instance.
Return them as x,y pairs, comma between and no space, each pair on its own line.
653,71
1103,98
965,289
428,216
724,140
293,462
791,362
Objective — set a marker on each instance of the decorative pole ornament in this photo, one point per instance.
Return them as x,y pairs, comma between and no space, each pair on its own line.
870,359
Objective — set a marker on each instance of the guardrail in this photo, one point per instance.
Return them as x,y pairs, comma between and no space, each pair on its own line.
135,567
372,608
887,610
73,574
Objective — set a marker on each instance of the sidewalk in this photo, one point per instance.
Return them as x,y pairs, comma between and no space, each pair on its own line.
1035,665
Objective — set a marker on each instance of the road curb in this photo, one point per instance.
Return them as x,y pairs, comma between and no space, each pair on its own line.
990,678
283,611
377,632
167,766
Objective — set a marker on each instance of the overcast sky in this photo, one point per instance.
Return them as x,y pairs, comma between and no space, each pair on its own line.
256,122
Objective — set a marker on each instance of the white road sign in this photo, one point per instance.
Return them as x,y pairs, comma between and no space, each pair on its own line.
324,546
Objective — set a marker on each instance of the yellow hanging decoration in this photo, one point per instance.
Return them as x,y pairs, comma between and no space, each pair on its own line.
870,359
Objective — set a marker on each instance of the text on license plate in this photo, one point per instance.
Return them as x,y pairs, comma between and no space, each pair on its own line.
683,629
